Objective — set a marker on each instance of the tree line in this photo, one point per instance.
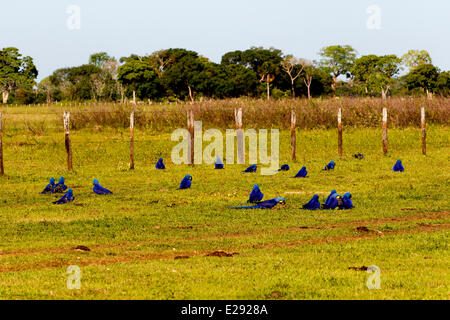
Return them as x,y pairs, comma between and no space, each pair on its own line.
179,74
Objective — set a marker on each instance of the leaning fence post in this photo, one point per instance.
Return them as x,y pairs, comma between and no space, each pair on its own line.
190,124
340,132
132,140
2,169
67,139
424,132
239,136
293,122
385,138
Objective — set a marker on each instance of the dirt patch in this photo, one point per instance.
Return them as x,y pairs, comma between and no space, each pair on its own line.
181,257
363,268
220,253
82,248
365,229
182,227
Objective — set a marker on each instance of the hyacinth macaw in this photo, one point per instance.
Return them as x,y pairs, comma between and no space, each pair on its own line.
312,204
66,198
256,195
346,202
301,173
284,167
358,156
219,163
252,168
50,187
268,204
186,182
398,167
332,201
329,166
60,187
98,189
160,164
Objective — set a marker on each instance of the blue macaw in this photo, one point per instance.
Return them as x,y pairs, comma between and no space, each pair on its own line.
398,167
284,167
268,204
60,187
358,156
66,198
219,163
301,173
312,204
98,189
252,168
346,202
186,182
329,166
256,195
160,164
50,187
332,200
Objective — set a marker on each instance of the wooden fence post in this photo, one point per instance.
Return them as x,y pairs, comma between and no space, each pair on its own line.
2,169
67,139
190,124
424,132
385,138
340,132
293,140
239,136
132,140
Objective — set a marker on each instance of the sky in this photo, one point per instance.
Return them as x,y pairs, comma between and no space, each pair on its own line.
63,33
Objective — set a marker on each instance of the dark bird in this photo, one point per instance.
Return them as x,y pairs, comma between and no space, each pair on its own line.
312,204
332,201
98,189
284,167
66,198
346,202
398,167
252,168
50,187
268,204
329,166
160,164
301,173
60,187
218,164
256,195
186,182
358,156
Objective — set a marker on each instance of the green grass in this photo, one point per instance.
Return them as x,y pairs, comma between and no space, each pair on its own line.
284,253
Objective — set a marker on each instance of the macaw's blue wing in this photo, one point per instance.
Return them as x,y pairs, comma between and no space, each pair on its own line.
60,187
98,189
284,167
50,187
332,201
398,167
346,202
252,168
256,195
186,182
268,204
358,156
312,204
66,198
301,173
329,166
160,164
218,164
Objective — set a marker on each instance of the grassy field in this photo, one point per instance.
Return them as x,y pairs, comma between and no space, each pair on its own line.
151,241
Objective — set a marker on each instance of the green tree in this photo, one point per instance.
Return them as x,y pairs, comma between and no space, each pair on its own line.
443,83
423,77
15,72
337,60
415,58
100,59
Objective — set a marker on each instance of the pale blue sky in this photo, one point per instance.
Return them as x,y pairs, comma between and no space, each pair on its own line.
302,28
